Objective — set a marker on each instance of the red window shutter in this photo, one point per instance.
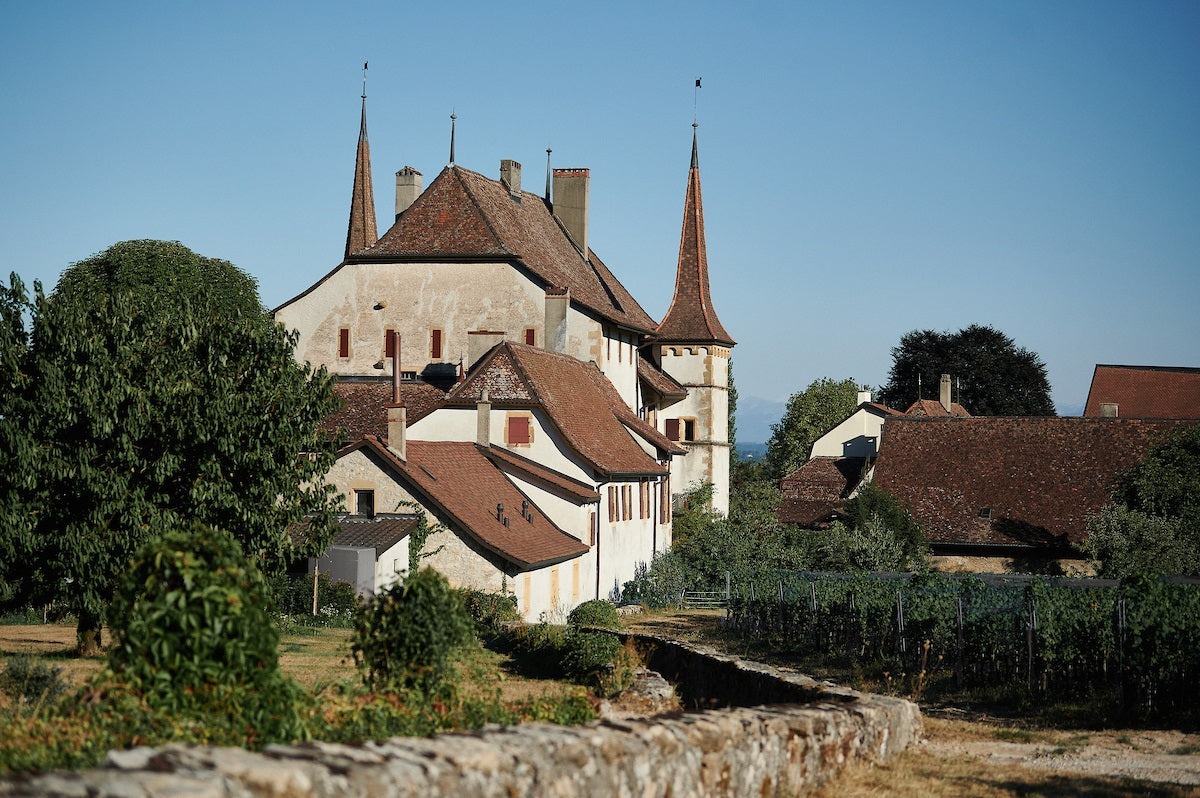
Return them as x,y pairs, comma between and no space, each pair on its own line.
531,336
389,343
435,345
343,342
518,430
673,429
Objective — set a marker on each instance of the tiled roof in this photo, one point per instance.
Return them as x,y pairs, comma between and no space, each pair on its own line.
580,401
932,408
660,382
364,410
1145,391
1040,478
465,487
362,232
508,461
379,532
692,316
464,215
818,488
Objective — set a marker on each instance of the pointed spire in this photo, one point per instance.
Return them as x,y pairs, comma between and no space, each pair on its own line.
453,116
362,231
692,317
548,151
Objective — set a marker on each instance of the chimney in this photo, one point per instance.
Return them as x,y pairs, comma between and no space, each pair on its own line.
483,420
864,395
479,343
408,188
397,413
510,176
571,204
944,392
1108,410
557,302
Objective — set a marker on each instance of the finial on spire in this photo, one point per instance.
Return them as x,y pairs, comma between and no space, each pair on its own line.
548,151
364,94
453,116
695,98
695,151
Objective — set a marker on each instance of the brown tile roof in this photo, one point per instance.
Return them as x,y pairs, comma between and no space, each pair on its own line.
932,408
579,400
364,412
464,215
361,232
1145,391
818,489
379,532
660,382
1040,477
464,488
692,316
573,489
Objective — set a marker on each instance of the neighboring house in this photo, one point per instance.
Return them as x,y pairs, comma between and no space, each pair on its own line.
473,261
369,550
1143,392
986,490
942,407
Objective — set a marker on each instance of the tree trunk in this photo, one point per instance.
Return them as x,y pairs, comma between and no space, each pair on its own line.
87,634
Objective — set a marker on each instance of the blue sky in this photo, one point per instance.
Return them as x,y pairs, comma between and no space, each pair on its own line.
868,168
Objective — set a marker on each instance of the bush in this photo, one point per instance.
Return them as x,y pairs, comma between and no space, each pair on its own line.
25,680
194,638
1122,542
490,611
404,636
596,612
292,596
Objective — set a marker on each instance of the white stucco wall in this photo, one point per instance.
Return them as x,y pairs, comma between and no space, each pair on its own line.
857,436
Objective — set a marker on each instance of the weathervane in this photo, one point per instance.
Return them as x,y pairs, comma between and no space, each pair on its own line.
453,116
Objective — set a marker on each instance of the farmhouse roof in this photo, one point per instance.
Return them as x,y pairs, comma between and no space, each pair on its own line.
932,408
1145,391
466,489
1013,481
692,317
363,410
379,532
817,489
463,215
579,401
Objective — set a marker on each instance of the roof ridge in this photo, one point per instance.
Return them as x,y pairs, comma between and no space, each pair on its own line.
479,208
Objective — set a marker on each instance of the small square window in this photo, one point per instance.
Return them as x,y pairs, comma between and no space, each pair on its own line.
985,512
689,429
389,343
672,429
364,502
530,336
518,430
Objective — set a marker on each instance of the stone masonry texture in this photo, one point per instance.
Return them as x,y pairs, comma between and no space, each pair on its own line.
766,750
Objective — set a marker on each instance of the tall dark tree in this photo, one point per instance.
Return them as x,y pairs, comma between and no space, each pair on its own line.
733,399
992,375
151,409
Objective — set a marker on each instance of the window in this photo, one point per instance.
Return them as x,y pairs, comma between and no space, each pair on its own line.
518,431
344,342
389,342
985,512
664,500
531,336
689,429
612,503
364,502
435,344
672,428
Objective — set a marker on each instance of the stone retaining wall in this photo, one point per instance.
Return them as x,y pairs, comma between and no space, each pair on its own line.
776,749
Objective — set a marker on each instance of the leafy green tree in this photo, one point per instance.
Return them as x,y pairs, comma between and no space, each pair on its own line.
733,399
151,409
810,414
994,376
878,534
19,451
1166,482
149,269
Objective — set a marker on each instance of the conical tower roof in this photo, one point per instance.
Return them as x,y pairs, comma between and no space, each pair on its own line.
362,232
692,317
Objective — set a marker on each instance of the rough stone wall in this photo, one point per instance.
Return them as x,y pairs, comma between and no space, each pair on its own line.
773,750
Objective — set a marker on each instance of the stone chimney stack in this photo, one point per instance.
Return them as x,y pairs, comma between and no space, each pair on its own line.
571,189
510,176
944,392
557,303
408,188
483,421
864,395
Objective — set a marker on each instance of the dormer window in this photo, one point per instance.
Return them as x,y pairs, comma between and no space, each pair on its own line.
364,502
985,513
